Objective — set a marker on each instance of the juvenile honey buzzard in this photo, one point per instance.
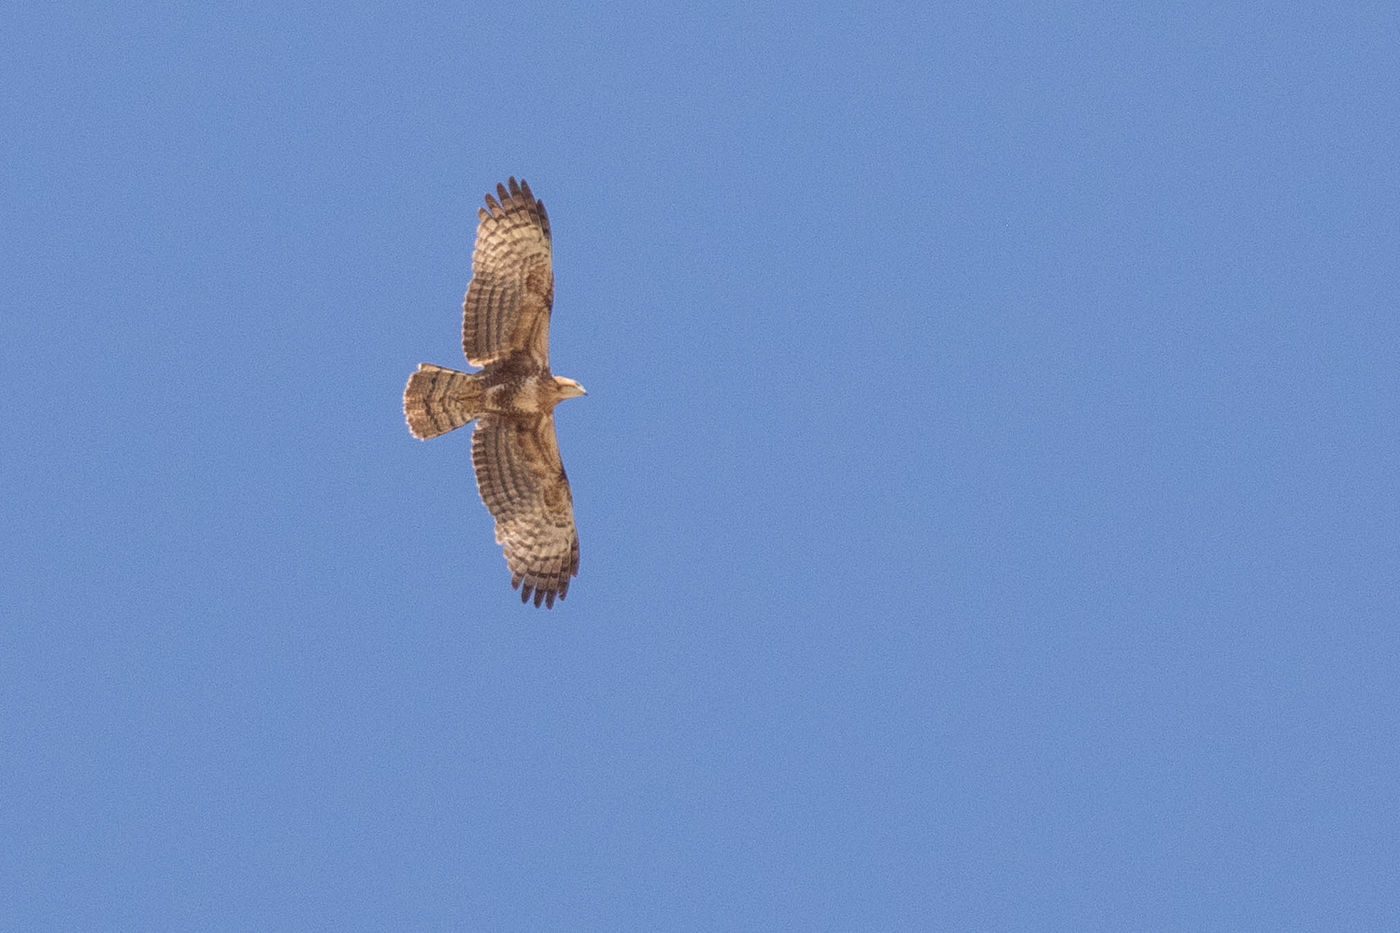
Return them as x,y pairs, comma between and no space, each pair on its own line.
505,330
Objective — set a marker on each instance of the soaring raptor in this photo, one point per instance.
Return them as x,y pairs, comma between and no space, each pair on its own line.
505,330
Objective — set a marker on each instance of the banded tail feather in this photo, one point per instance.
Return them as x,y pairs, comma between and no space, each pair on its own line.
437,400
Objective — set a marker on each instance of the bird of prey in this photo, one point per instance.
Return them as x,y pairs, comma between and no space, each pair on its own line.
505,330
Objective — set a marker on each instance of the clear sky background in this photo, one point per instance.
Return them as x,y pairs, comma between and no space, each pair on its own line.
987,484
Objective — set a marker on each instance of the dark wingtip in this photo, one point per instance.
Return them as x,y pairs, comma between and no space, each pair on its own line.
540,596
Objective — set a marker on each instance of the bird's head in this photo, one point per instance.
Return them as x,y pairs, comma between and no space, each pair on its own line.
568,388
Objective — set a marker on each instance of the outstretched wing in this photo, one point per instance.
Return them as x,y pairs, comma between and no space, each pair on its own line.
522,482
506,310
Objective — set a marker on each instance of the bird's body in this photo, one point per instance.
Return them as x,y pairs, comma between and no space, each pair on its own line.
535,393
505,330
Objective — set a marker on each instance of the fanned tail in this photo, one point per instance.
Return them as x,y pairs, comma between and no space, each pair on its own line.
437,400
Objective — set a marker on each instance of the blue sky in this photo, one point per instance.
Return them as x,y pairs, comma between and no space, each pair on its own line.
987,482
